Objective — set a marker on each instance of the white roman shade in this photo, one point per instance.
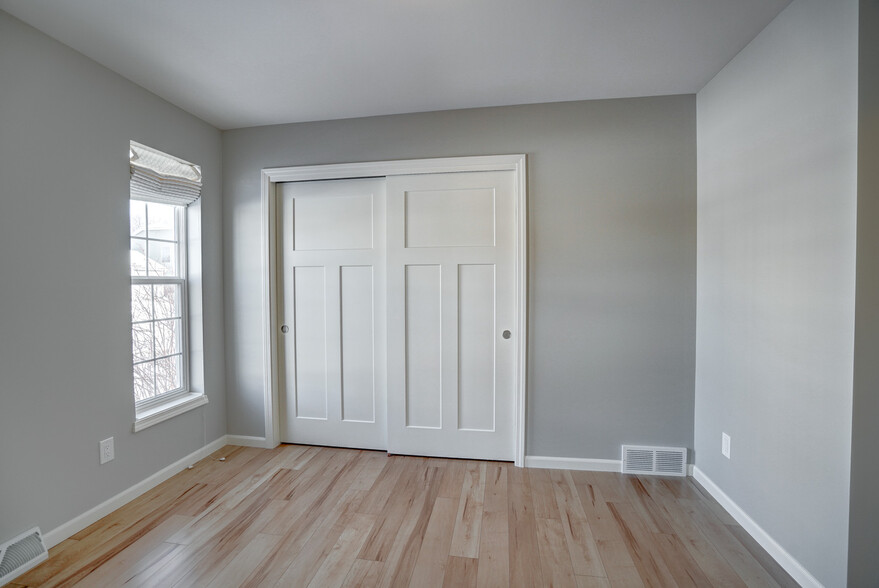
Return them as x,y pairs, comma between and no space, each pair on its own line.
159,177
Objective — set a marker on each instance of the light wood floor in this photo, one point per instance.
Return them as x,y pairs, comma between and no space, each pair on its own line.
308,516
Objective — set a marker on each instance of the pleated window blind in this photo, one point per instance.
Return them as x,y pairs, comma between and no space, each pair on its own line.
159,177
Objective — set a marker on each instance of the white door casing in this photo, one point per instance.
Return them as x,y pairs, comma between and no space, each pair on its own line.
332,338
451,315
272,180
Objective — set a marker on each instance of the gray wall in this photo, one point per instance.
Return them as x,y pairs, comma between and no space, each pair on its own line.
864,517
612,253
65,339
777,150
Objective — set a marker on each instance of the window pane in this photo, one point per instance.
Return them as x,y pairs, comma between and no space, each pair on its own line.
168,337
161,221
138,218
142,341
138,257
167,303
168,374
163,258
141,303
144,381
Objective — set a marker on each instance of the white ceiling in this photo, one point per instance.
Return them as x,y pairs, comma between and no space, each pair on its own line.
239,63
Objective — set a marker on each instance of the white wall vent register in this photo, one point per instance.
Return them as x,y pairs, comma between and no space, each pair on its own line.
21,554
659,461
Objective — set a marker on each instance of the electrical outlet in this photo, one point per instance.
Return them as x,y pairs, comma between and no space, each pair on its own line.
108,453
724,445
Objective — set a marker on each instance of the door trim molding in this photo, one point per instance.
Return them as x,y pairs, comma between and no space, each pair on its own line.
272,176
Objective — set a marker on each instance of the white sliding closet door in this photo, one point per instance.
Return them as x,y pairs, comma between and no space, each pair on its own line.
451,315
332,311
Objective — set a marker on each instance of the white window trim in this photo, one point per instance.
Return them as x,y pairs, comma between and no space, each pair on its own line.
177,405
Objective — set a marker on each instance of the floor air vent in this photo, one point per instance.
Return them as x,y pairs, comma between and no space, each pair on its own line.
660,461
21,554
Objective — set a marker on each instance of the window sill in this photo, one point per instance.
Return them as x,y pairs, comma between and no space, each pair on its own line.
156,414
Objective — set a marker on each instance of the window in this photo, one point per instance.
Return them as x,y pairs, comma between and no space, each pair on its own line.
158,300
162,187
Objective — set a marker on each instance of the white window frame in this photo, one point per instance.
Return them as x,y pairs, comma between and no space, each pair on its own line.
182,280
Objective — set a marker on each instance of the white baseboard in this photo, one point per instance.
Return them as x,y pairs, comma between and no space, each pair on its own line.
776,551
573,463
73,526
578,463
245,441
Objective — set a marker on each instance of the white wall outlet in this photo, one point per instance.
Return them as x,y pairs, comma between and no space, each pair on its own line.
107,450
724,445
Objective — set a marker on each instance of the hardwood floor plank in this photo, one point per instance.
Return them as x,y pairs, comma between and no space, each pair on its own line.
495,500
300,526
736,555
374,464
601,522
523,552
703,552
617,563
583,550
542,494
364,574
592,582
554,556
291,455
378,545
494,540
612,485
240,566
770,565
407,545
453,478
640,544
229,496
460,572
319,479
98,547
468,520
431,563
705,498
149,566
682,566
384,486
641,499
494,560
319,546
203,558
111,573
206,556
338,562
61,547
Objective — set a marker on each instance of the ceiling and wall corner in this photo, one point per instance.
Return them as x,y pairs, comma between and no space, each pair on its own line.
267,62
